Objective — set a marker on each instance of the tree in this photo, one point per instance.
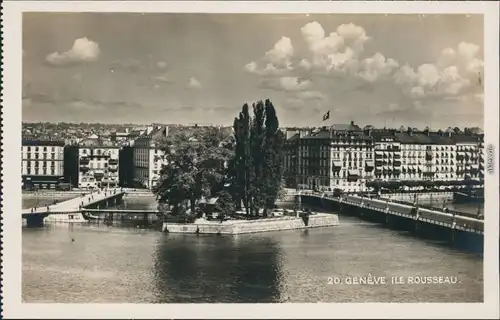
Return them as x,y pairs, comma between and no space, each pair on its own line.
195,168
456,130
256,168
224,205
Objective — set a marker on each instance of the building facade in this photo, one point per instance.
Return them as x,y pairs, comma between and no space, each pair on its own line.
148,158
346,157
42,163
98,162
339,157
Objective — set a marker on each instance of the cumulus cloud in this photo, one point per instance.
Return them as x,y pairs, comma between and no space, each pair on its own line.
428,75
447,57
194,83
468,50
377,66
280,55
417,92
327,53
83,50
355,36
455,73
340,54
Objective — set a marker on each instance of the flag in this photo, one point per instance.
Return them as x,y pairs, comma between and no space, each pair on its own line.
326,116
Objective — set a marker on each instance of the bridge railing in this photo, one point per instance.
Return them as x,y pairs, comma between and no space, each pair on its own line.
389,201
453,212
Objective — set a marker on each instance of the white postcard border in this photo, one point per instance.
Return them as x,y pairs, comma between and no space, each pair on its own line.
11,191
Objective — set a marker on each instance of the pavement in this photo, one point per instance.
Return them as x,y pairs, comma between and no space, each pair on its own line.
74,204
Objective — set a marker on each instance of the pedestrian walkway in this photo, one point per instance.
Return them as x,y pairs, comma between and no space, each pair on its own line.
75,204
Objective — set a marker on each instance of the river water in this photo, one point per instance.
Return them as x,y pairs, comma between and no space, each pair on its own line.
110,264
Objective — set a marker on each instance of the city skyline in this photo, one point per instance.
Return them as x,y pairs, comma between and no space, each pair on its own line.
382,70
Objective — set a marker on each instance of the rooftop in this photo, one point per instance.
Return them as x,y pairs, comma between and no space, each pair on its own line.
48,143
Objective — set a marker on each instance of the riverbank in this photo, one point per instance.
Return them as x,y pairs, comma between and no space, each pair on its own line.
254,226
76,193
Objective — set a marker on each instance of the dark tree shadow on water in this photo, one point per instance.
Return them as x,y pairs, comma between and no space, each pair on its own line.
212,269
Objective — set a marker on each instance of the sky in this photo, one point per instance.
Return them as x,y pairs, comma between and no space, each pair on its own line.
381,70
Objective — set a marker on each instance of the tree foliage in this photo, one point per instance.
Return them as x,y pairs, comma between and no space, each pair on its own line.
257,165
195,168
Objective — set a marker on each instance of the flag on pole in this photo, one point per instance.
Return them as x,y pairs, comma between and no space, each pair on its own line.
326,116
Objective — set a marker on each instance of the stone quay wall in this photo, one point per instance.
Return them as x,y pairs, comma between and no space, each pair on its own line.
261,225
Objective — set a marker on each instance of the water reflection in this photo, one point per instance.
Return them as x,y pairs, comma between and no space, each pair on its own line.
223,269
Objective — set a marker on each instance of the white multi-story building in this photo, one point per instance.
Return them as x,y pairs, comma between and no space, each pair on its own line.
346,157
469,150
42,163
148,158
98,162
338,157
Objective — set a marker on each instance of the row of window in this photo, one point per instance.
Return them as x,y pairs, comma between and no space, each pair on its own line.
100,152
40,171
39,149
44,156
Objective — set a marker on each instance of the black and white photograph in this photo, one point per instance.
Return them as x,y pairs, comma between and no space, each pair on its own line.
267,158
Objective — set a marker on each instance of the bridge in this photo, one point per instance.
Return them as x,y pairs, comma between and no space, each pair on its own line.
35,216
399,215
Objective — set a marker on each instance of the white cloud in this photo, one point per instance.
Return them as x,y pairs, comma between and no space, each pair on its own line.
428,75
468,50
405,76
311,95
165,78
251,67
377,66
270,70
354,36
475,66
281,53
194,83
83,50
446,58
289,84
417,92
451,82
161,65
451,76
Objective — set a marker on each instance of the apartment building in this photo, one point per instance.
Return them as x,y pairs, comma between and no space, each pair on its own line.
290,156
469,151
98,162
340,156
42,163
148,158
347,157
